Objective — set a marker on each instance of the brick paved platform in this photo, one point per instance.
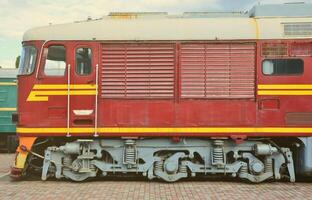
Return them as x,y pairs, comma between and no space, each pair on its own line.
141,189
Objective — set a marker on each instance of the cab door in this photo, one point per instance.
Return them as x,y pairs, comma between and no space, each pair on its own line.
83,72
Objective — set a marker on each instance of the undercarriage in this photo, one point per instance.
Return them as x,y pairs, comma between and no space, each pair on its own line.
255,161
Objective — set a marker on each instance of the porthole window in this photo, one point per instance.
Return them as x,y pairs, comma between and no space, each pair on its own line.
282,67
55,63
83,61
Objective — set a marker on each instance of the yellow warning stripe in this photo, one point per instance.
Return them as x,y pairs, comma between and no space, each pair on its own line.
285,92
170,130
285,87
7,109
44,95
64,86
7,83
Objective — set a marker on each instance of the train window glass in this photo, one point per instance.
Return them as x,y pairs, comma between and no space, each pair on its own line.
83,61
282,67
55,63
27,60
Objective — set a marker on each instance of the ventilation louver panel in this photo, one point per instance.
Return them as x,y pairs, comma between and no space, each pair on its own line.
218,71
298,29
274,49
137,71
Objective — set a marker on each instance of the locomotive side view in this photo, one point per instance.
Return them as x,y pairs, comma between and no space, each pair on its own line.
169,97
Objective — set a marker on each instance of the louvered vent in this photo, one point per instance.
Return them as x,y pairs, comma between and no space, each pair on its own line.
271,49
218,71
298,29
301,49
138,70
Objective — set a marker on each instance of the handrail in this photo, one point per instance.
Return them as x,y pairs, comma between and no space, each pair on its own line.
68,100
96,100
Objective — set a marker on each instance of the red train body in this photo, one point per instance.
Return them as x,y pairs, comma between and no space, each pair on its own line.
179,101
239,88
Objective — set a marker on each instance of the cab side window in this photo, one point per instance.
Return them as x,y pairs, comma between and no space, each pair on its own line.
55,63
286,67
83,61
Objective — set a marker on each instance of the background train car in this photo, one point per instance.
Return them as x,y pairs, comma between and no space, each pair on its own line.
8,139
169,97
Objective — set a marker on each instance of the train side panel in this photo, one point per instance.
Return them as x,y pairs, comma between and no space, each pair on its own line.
8,98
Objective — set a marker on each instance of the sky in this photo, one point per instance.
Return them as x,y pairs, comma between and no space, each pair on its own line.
17,16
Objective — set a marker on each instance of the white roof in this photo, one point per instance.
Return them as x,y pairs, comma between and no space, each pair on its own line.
190,26
148,29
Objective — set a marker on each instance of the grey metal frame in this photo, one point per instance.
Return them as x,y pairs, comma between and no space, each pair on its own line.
164,159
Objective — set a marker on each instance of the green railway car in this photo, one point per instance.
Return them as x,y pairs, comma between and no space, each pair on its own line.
8,139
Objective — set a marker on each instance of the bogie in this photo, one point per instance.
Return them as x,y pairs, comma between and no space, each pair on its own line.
255,161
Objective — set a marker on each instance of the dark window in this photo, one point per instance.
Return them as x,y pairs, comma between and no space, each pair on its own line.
55,63
28,60
282,67
83,61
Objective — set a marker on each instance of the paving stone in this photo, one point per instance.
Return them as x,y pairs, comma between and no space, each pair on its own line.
145,190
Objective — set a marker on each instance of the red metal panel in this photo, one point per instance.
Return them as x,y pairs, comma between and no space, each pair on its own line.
138,70
287,103
301,49
218,71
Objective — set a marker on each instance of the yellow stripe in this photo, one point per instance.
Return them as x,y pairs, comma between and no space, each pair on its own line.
64,86
285,92
7,83
170,130
285,86
44,95
7,109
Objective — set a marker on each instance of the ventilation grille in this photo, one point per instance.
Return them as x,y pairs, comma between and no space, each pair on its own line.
217,71
301,49
298,29
274,50
137,71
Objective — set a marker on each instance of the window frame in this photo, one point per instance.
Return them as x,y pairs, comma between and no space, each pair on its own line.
75,61
45,56
282,75
35,63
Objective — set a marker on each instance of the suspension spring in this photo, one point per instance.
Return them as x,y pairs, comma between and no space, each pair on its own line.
244,169
67,161
218,153
159,166
268,165
182,168
130,155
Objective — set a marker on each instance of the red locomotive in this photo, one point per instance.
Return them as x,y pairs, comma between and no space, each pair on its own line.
169,97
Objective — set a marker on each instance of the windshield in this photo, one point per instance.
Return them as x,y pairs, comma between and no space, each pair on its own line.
28,60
